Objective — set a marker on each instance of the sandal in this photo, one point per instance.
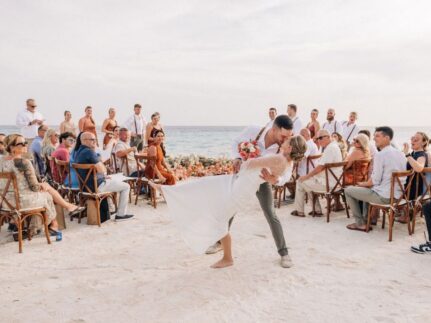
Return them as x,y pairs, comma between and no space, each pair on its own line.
354,227
77,211
296,213
57,234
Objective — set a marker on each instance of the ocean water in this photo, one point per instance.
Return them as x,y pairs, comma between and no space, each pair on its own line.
216,141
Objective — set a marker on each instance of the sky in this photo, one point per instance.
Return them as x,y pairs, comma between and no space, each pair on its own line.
221,62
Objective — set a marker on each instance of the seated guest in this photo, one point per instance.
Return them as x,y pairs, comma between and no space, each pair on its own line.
32,193
371,146
312,150
316,180
86,154
378,188
49,143
159,169
114,139
36,150
123,149
67,140
360,151
341,143
3,151
426,247
417,160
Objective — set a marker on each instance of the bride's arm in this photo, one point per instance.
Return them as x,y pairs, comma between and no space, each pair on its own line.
276,163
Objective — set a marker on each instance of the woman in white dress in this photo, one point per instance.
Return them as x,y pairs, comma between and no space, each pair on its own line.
201,209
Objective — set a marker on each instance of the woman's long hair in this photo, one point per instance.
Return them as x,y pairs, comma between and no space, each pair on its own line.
161,145
364,142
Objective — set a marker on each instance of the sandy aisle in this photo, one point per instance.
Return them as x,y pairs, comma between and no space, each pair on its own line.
141,271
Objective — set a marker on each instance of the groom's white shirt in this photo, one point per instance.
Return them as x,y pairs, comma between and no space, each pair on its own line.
249,134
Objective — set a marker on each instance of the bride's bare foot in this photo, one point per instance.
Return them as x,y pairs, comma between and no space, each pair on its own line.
223,263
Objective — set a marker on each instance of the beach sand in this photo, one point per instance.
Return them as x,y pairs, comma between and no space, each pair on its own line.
141,271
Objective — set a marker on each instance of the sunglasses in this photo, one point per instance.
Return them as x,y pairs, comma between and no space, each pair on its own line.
322,137
91,139
356,141
71,140
22,144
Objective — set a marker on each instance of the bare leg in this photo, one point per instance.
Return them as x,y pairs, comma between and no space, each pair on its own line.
227,259
59,200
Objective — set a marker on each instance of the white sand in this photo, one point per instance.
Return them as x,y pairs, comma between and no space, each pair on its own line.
141,271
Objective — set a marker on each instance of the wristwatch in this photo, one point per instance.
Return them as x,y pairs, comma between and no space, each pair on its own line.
408,155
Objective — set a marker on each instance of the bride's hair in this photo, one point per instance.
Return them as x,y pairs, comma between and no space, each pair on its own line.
299,147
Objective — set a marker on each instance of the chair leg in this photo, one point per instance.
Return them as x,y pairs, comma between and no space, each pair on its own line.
391,223
99,222
19,227
370,212
45,224
409,222
415,210
345,205
328,208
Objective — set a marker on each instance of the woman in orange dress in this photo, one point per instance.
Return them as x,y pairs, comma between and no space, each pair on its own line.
156,165
108,127
87,123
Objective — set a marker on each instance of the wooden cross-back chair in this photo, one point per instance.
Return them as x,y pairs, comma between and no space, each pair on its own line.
280,191
420,200
395,204
142,181
114,166
64,171
360,169
86,193
311,163
331,192
132,182
10,208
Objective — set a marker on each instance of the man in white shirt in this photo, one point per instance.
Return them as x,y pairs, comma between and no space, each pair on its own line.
29,121
350,128
136,125
312,150
315,180
378,188
332,125
272,113
269,140
292,111
122,149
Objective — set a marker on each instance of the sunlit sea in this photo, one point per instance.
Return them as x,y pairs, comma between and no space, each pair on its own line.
216,141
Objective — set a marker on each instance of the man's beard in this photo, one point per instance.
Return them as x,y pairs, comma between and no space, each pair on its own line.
329,118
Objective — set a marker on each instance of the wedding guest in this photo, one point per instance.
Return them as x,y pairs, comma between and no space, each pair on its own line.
153,127
332,125
160,169
87,123
67,140
426,247
360,151
86,154
29,121
341,143
371,146
36,150
350,128
314,125
68,125
49,143
316,180
136,125
378,188
3,151
297,123
123,149
108,126
114,139
32,193
312,150
272,113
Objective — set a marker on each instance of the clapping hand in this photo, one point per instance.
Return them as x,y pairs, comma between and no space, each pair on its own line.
406,148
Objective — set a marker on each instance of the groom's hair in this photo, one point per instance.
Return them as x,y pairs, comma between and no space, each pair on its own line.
283,121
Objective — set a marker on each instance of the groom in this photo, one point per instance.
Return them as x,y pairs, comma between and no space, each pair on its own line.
269,140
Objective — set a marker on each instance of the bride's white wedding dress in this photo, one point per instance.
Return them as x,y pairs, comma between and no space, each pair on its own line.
201,209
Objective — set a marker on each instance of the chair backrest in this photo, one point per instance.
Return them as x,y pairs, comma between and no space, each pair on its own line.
397,183
5,203
91,176
144,160
360,169
312,161
48,160
426,181
63,171
125,164
330,175
114,165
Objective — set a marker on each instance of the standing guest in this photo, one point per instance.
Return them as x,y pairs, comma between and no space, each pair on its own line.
316,180
153,127
292,111
87,123
3,151
272,113
378,188
332,125
426,247
36,150
159,168
49,143
123,149
32,193
67,140
29,121
108,127
341,143
68,125
417,160
136,125
86,154
314,125
350,128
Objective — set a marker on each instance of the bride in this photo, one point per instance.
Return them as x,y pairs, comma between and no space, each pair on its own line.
201,209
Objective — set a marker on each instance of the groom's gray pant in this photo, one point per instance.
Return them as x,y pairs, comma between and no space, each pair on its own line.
266,200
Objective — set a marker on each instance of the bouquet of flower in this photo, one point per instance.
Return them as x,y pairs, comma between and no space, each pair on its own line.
248,150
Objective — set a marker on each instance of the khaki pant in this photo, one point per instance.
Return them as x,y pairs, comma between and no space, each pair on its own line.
302,188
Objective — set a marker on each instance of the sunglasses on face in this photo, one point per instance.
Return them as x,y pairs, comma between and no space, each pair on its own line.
71,140
322,137
91,139
22,144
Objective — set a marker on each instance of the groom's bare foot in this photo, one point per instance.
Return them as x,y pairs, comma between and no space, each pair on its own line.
223,263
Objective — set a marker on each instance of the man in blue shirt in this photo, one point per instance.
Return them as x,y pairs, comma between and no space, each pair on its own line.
86,154
36,150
